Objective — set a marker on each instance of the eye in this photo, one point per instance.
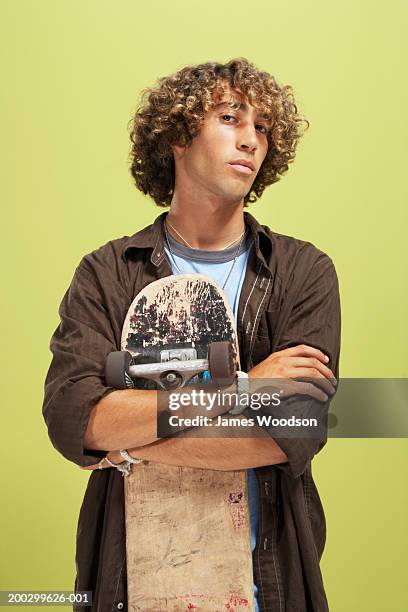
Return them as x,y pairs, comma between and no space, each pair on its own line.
230,116
227,117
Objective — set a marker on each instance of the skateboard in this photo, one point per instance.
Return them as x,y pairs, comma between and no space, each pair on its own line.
187,529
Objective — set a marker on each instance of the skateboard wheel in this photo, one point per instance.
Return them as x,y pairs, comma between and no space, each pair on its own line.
117,370
221,363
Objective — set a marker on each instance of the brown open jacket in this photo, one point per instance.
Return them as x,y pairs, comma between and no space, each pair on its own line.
290,296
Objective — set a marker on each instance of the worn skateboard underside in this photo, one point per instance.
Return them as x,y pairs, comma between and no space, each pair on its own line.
187,529
188,539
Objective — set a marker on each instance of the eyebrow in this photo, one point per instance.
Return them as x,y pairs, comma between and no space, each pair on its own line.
243,107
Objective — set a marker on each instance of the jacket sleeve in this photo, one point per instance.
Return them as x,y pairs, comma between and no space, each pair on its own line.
75,379
314,319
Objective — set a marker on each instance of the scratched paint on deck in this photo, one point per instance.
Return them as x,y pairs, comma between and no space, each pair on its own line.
235,602
235,501
189,310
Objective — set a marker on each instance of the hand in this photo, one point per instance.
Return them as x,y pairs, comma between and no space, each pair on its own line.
297,363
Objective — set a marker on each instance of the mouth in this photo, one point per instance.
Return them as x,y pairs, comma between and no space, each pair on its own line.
241,168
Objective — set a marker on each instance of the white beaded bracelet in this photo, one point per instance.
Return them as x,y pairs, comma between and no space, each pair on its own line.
125,455
124,468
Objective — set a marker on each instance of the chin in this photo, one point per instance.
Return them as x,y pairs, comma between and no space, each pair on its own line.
236,194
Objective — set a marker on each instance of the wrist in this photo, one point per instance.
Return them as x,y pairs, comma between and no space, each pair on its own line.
242,386
120,460
115,457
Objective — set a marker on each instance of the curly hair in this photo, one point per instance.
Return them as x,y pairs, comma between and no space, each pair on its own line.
171,113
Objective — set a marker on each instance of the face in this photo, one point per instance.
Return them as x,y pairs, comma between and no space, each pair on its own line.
227,136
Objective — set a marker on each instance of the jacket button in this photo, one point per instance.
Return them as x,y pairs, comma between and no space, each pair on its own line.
267,489
120,606
265,544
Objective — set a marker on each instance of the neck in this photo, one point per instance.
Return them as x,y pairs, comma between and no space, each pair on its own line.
210,228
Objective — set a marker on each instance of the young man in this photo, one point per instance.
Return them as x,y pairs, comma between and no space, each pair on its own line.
207,141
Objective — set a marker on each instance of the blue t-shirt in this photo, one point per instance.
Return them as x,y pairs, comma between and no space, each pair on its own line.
218,265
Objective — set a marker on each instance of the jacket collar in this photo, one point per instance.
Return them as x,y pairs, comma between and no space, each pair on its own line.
152,237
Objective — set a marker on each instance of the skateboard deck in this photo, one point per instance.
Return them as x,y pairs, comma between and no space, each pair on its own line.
187,529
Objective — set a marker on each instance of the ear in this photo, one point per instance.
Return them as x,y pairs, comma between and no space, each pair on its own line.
178,150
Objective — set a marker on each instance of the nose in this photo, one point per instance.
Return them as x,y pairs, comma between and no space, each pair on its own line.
247,138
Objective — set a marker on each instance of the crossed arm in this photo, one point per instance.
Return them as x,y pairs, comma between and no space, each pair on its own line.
127,419
86,420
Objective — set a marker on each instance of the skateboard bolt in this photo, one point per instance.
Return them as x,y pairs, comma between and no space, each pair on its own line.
171,377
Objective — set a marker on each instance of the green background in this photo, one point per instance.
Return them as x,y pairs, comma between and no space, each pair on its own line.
71,77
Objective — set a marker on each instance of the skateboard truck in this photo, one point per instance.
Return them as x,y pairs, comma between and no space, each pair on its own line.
176,368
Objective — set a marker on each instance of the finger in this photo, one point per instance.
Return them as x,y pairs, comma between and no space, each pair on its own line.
290,387
311,362
313,376
304,350
94,466
310,390
302,388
